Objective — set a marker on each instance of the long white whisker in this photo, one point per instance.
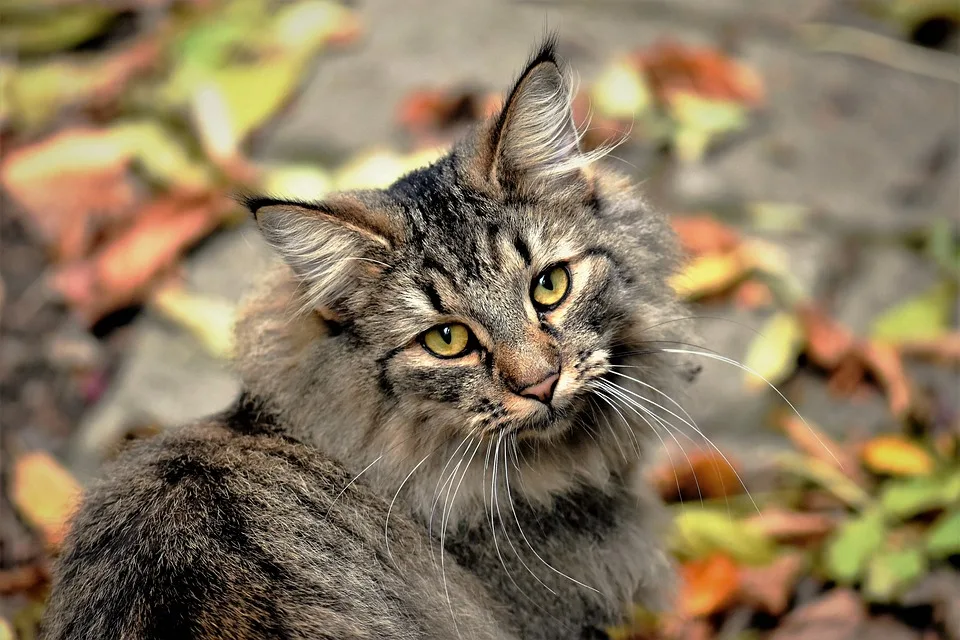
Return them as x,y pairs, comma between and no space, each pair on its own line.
349,484
386,524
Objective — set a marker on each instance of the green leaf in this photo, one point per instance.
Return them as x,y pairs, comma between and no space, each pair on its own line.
297,182
851,547
161,156
773,353
891,571
943,538
702,532
923,317
909,497
699,120
53,30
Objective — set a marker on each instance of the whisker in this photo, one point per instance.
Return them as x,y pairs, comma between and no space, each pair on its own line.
349,484
386,525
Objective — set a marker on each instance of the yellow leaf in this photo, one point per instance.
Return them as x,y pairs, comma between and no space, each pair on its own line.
6,631
896,456
210,320
773,353
709,274
45,494
620,91
297,182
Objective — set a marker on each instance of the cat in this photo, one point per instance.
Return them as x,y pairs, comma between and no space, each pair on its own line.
449,389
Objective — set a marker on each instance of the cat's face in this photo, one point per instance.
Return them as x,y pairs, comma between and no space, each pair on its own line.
491,290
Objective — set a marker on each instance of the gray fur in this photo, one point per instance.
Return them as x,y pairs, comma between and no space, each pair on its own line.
363,488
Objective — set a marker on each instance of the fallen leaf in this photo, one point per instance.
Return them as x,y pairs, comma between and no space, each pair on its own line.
23,578
89,170
827,475
379,168
827,342
909,497
810,439
699,121
793,526
769,588
210,320
47,31
708,585
695,476
430,110
673,69
891,572
778,216
702,532
944,349
303,27
847,553
944,536
297,182
123,271
45,494
772,356
753,294
836,616
6,630
620,91
885,364
897,456
924,317
36,92
702,234
710,274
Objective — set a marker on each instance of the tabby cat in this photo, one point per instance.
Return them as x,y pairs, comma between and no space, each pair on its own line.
449,387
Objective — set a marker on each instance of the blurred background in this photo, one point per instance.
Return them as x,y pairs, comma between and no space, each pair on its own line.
805,149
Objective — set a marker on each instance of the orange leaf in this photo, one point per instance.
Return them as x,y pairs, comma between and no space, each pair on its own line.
753,294
708,585
124,270
69,184
673,68
704,234
945,348
897,456
45,494
885,364
793,526
770,587
827,342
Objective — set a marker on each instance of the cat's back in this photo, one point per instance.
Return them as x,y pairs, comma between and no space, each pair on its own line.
207,532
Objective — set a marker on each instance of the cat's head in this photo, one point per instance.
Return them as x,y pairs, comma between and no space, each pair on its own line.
490,292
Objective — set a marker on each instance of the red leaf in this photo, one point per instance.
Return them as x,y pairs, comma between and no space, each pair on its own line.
708,585
770,587
673,68
793,526
702,234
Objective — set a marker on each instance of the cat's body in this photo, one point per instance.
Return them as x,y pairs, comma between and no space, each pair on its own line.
429,444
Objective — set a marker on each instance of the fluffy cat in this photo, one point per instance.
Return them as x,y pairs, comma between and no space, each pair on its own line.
449,388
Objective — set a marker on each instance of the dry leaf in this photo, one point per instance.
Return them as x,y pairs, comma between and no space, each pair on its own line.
773,353
885,364
70,184
702,234
23,578
710,274
944,349
811,440
695,476
620,91
753,294
827,342
436,109
770,587
210,320
836,616
45,494
793,526
123,271
672,69
896,456
708,585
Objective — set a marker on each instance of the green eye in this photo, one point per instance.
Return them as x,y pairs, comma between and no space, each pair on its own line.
550,287
447,340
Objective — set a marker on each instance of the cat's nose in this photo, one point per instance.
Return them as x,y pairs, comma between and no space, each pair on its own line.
543,390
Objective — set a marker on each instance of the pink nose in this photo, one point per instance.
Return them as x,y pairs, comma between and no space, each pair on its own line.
543,390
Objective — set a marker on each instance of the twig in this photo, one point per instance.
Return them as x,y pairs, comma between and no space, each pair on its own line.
831,38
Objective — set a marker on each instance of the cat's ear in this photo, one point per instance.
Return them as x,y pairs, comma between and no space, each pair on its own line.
332,246
535,144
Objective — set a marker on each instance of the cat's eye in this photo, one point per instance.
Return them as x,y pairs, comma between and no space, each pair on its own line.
450,340
550,287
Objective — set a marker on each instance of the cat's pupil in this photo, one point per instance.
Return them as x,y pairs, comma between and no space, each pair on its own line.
546,281
446,334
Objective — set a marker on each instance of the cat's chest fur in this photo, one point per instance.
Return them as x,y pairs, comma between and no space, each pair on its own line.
576,564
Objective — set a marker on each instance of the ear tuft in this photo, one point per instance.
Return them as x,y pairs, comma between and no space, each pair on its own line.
535,140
